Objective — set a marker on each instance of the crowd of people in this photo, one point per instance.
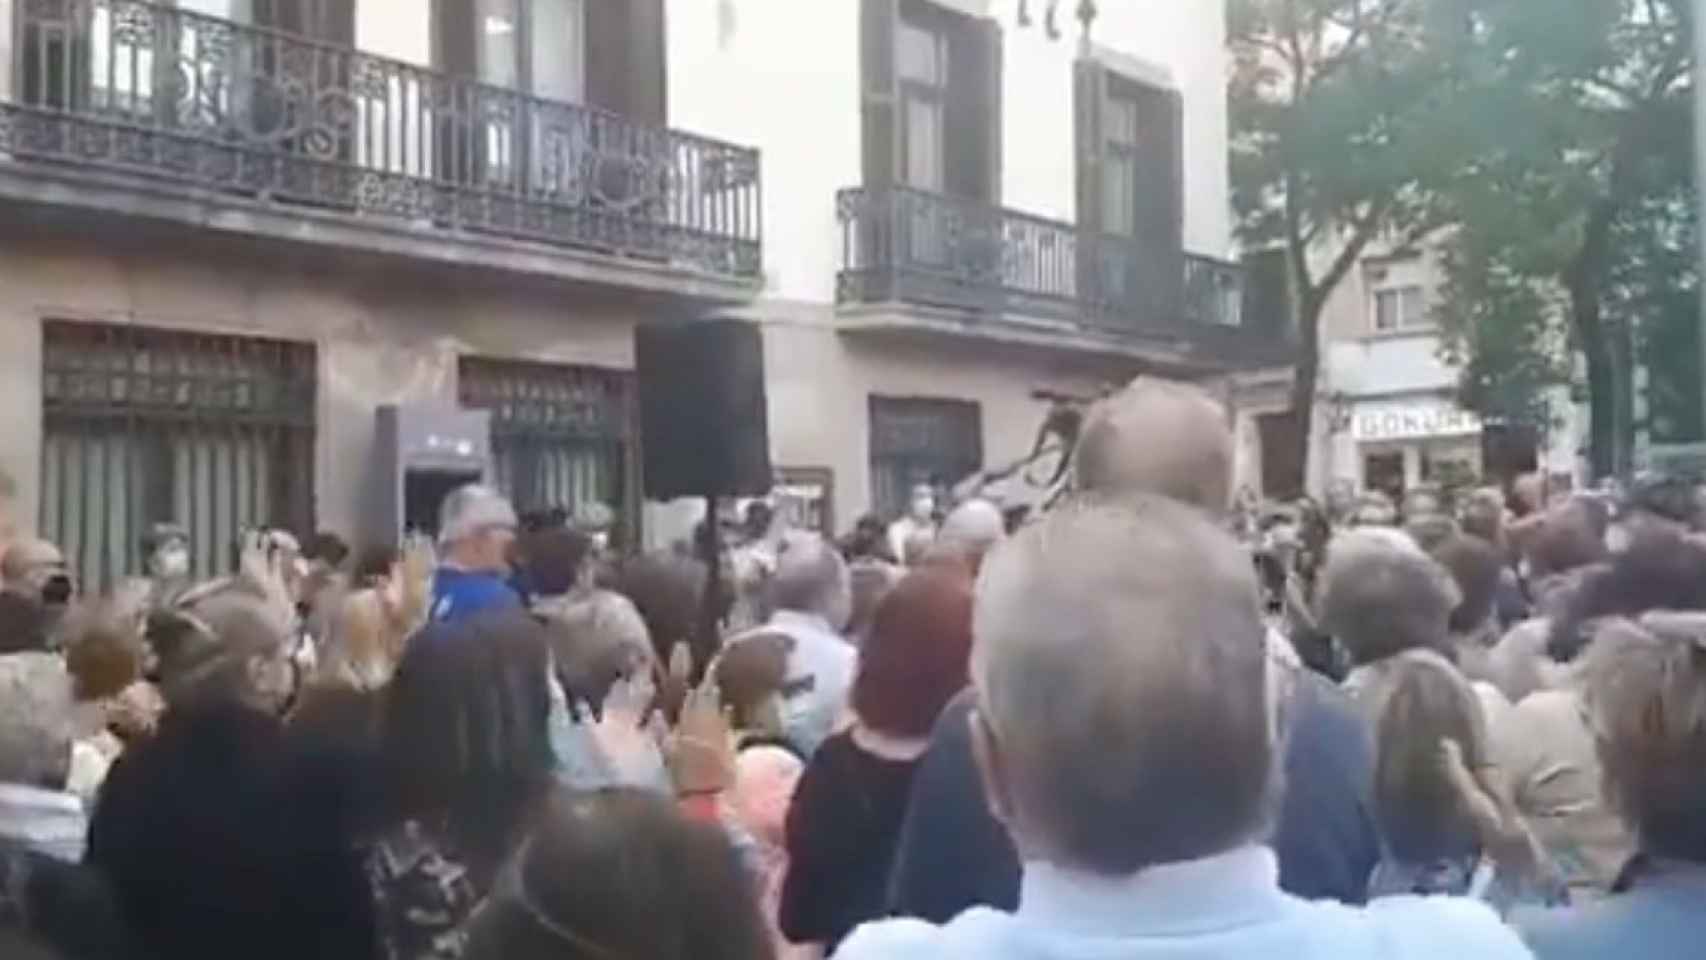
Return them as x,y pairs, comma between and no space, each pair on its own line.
1138,725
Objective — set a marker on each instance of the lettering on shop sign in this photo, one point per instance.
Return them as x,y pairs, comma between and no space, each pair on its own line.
1406,423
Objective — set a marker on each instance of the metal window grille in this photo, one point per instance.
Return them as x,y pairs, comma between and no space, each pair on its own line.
921,441
142,425
561,434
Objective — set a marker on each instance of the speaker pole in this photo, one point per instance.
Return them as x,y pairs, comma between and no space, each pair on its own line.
707,638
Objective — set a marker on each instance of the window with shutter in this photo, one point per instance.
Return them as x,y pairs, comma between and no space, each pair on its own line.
930,99
142,425
879,21
1119,167
625,70
562,436
1130,194
923,59
332,21
534,46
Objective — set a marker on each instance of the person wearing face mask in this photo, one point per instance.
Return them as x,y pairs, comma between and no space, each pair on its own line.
166,555
918,524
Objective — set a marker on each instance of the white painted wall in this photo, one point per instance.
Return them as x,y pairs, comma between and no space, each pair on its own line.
401,29
1400,363
783,75
1184,41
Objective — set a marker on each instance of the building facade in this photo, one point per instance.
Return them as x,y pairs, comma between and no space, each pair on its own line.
231,230
1386,414
1010,211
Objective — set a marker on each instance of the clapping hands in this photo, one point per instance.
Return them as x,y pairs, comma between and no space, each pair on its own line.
636,741
702,755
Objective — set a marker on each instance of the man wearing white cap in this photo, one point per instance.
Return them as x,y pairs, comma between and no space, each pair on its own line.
475,534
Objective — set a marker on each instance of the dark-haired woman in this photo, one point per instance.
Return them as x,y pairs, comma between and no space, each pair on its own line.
465,758
620,873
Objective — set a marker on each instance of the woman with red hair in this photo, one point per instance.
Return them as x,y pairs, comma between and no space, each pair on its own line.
847,810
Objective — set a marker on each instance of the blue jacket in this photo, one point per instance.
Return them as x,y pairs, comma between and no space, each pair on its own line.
458,594
953,855
1659,917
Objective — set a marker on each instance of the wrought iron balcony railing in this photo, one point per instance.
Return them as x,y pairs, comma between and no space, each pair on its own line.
139,88
900,244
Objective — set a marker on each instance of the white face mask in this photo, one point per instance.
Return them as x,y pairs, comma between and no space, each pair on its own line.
171,563
1617,538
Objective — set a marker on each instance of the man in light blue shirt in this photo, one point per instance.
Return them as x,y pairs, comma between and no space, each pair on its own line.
812,599
1126,741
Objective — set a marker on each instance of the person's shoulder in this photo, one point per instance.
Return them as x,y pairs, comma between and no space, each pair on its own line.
837,752
974,933
896,939
1544,708
1623,924
1579,931
1319,697
1438,926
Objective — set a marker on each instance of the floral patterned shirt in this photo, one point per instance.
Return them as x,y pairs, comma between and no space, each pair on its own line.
422,894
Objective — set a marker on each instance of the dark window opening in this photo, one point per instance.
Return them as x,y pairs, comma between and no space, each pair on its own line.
921,441
931,99
605,53
142,425
1130,177
562,435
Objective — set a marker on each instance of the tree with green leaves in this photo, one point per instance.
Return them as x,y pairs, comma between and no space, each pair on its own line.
1339,131
1573,212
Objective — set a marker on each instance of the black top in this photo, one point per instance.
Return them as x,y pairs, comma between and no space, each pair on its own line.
842,830
953,855
221,839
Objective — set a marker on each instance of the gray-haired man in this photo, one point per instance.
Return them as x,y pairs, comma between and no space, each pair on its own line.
476,533
1125,737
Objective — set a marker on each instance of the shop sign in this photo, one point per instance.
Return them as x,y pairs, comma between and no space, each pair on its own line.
1412,422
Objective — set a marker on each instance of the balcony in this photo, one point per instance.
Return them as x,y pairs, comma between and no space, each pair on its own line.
919,261
137,108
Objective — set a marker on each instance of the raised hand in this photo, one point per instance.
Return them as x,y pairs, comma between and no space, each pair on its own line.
415,590
630,743
702,755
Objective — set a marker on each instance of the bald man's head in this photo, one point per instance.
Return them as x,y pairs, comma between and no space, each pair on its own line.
1162,437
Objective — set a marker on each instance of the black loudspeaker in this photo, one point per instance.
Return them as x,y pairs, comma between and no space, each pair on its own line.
703,430
1509,450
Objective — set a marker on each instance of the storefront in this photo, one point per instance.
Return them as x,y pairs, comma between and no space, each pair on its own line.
1403,443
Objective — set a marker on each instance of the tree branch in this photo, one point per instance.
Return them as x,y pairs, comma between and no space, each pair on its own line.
1357,28
1362,231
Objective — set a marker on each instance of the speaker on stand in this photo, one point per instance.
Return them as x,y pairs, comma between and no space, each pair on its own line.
703,430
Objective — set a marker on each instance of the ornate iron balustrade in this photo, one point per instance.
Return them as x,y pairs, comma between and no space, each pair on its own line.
909,245
900,244
144,89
